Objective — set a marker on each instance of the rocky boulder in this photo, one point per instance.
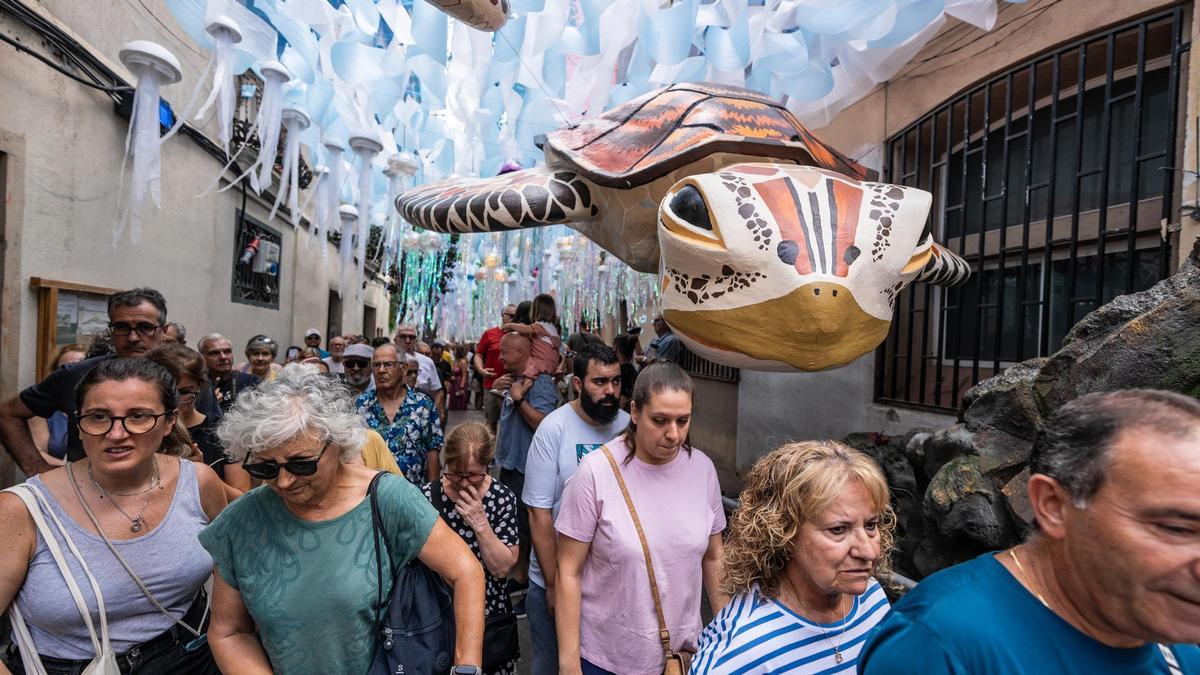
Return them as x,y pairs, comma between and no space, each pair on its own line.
969,479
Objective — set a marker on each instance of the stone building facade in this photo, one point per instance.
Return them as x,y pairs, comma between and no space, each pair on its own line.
61,146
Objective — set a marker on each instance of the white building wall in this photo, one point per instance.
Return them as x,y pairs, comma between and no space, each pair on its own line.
64,145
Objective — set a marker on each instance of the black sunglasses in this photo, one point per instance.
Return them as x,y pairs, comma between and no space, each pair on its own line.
269,469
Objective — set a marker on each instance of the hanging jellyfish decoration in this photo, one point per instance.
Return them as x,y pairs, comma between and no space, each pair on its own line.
334,149
367,147
294,122
400,168
225,33
320,193
348,215
266,123
154,67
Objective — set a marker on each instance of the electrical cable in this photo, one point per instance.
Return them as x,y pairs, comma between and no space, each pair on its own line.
70,50
46,60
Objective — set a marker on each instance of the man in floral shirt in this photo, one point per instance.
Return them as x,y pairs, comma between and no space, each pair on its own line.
406,418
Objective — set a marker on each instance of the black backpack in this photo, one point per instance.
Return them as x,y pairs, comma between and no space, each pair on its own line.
415,635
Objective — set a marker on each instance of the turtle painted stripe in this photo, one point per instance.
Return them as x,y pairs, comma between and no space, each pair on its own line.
945,268
785,208
818,227
539,196
846,200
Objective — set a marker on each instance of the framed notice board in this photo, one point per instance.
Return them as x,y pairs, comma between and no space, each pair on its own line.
68,312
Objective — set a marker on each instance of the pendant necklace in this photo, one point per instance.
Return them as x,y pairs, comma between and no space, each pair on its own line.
136,523
837,647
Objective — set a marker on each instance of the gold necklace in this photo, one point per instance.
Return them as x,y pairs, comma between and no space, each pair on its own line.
1012,552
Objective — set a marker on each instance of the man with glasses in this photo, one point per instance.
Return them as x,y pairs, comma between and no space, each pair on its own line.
136,319
227,382
406,418
337,349
356,361
428,380
488,365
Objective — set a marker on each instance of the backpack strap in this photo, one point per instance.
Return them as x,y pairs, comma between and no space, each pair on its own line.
379,535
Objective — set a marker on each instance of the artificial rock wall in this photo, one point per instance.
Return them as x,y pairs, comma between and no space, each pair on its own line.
960,491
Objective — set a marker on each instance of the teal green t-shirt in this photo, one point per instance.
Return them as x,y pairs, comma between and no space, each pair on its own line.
311,586
977,619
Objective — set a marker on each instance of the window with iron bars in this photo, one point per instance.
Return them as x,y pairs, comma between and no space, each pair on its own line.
257,272
1053,180
698,366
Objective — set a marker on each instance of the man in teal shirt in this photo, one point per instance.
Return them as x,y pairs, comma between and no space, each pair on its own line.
1110,580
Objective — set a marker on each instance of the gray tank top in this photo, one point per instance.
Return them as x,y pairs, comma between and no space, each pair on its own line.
169,559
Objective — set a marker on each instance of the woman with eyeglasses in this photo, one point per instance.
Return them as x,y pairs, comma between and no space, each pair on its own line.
484,513
297,585
191,381
124,496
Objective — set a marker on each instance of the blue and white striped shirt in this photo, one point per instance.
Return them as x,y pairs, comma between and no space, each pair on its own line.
754,634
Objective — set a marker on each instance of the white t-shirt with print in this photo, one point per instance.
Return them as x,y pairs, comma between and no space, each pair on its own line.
561,440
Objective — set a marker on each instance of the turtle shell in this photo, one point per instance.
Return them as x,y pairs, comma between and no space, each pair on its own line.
659,132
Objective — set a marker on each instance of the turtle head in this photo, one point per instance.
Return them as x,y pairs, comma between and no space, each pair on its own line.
786,267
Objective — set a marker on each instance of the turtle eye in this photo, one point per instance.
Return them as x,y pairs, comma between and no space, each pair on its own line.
689,206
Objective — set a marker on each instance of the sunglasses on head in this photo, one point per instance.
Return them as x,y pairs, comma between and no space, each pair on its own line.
269,469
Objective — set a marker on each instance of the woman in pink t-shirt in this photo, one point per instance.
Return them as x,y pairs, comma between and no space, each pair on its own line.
605,610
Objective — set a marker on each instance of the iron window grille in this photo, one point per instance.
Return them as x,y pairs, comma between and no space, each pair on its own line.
1054,180
257,280
698,366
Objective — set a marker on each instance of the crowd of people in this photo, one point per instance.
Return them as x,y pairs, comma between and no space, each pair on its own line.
186,514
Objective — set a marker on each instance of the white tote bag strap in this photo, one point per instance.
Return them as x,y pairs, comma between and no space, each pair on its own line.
38,506
24,642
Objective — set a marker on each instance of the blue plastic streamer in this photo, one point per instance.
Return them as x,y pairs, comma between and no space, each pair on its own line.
191,17
729,48
832,18
910,20
669,35
356,63
429,31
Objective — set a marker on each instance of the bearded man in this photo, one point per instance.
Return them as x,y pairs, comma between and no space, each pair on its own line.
561,440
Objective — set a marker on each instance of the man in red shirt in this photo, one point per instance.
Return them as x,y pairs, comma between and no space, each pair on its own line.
487,364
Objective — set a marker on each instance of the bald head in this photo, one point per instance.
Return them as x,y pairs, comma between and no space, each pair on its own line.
514,352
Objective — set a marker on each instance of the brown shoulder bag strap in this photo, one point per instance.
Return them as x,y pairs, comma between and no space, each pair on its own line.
663,634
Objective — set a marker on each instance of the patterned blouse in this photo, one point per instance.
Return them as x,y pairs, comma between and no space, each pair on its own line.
414,433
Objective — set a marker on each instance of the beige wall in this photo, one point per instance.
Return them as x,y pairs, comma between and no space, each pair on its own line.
64,145
714,425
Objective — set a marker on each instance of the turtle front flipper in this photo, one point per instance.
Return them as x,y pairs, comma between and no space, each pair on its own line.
529,198
944,267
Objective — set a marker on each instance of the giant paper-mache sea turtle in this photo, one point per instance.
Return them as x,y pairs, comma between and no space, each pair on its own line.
776,252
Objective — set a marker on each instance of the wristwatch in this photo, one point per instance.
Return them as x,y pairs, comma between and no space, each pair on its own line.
465,670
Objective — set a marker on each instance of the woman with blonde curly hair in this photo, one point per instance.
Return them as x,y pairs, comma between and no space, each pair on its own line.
813,531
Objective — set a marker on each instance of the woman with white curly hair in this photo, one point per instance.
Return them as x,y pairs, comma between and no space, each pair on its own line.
296,583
